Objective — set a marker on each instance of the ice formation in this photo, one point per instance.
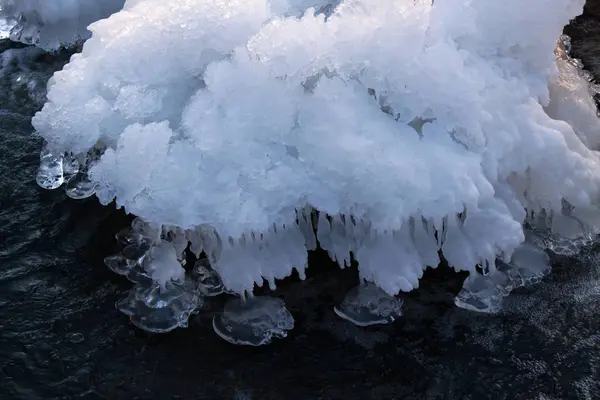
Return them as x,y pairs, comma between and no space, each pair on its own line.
392,128
366,304
209,281
253,322
51,24
484,293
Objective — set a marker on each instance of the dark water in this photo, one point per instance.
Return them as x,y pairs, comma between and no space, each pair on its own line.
62,338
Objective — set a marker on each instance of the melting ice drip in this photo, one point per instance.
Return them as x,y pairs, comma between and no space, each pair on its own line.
270,126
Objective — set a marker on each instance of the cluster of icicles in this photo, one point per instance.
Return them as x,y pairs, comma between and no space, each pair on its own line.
151,256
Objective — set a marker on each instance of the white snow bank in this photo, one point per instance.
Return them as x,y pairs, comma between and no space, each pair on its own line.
398,118
51,24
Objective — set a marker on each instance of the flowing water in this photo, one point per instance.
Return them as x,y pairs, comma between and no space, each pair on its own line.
62,338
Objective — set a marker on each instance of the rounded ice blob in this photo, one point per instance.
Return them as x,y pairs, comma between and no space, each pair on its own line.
159,309
367,304
80,187
127,236
531,264
119,264
254,321
135,251
483,293
144,229
50,173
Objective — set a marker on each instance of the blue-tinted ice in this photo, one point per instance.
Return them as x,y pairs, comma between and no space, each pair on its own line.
367,304
27,29
80,187
158,309
209,281
129,261
127,236
484,293
119,264
254,321
136,251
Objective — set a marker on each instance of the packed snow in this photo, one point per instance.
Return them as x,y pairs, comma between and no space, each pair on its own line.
391,128
51,24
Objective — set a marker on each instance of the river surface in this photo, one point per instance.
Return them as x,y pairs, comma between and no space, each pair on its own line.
62,338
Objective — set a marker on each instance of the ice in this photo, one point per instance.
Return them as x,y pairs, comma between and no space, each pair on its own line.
178,239
138,274
55,23
161,309
130,259
209,282
150,253
28,27
119,264
162,264
163,297
50,172
71,167
484,293
254,322
366,304
6,24
135,251
80,187
144,229
128,236
531,263
394,129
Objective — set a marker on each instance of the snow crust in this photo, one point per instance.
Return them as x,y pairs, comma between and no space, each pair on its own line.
51,24
411,127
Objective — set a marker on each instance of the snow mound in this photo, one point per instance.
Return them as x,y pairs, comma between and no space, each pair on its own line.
51,24
410,127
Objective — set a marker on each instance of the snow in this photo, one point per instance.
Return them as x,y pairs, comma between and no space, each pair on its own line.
51,24
414,127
